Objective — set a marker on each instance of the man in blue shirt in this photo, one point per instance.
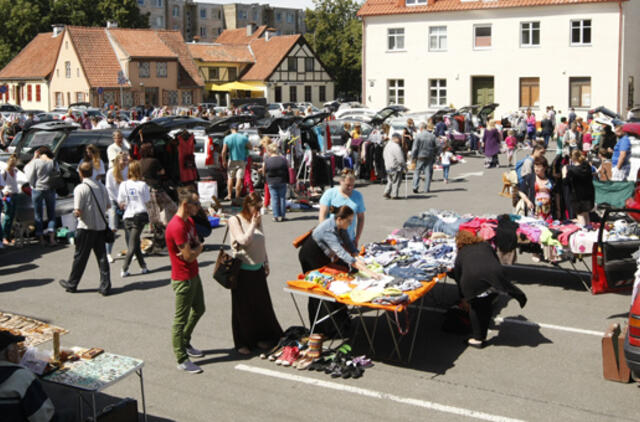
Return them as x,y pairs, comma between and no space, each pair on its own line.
621,155
236,146
345,194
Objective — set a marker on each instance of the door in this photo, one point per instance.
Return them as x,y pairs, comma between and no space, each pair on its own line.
151,96
481,90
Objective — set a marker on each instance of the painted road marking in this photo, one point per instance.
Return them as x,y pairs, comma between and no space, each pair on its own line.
465,175
377,395
531,323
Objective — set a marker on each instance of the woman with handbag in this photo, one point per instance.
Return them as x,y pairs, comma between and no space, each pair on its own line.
41,172
253,319
115,176
133,197
10,176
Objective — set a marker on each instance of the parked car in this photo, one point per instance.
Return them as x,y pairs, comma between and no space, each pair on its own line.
351,113
280,109
305,106
632,339
10,108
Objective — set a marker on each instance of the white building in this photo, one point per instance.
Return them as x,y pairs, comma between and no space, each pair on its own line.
429,54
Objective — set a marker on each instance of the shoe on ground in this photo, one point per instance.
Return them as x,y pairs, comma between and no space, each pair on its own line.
110,259
124,274
193,352
67,287
244,351
189,367
415,190
386,196
106,292
145,270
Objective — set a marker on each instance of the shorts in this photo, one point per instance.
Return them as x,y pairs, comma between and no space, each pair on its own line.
236,169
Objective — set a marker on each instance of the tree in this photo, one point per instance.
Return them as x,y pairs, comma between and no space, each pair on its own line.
21,21
335,33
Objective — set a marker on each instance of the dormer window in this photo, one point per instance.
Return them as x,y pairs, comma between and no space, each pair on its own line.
416,2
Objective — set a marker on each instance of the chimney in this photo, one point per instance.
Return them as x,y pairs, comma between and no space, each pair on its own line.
57,29
112,24
250,29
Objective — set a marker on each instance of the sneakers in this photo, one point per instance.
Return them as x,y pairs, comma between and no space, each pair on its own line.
110,259
190,367
145,270
193,352
124,274
289,356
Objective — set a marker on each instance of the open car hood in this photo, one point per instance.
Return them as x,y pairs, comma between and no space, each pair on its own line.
487,109
273,125
386,113
314,119
224,124
470,108
164,125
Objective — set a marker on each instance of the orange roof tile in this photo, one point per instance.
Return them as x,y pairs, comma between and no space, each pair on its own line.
96,54
175,42
36,61
141,43
239,36
269,54
398,7
232,53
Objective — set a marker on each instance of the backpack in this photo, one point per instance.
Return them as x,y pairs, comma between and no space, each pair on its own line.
518,168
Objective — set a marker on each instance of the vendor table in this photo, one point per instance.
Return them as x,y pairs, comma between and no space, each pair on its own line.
306,289
96,374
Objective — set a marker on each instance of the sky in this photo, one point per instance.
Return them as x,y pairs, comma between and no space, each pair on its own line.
298,4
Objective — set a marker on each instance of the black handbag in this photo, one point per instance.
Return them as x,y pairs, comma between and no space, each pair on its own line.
227,267
109,235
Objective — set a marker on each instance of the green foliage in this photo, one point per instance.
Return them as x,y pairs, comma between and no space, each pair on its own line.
335,34
24,19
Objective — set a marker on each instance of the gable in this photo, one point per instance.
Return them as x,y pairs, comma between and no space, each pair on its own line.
37,59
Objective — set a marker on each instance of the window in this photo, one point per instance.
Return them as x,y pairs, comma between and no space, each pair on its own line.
203,31
293,94
437,38
242,14
395,37
28,92
67,69
157,3
233,73
278,94
203,13
214,73
437,92
529,92
78,72
322,95
529,34
416,2
290,17
309,64
187,98
396,91
292,64
59,99
144,69
482,36
38,95
219,15
580,92
176,12
159,22
79,97
161,69
255,16
581,32
172,98
140,2
278,17
307,94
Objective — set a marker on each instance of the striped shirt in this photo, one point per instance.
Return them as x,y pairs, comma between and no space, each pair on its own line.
21,395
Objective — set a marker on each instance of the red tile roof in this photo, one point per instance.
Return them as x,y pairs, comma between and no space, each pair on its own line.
36,61
232,53
239,36
96,55
268,55
175,42
397,7
141,43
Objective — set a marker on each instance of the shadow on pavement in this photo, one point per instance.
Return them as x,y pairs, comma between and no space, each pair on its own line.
140,285
12,286
14,255
302,217
548,276
448,190
225,355
18,269
518,335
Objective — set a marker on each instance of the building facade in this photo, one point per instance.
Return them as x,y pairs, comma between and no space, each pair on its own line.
437,53
285,21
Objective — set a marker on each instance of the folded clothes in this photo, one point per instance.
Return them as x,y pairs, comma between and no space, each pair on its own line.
391,300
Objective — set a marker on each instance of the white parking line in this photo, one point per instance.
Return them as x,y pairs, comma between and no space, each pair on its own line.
377,395
531,323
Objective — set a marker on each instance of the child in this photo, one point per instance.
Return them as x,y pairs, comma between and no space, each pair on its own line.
445,159
511,142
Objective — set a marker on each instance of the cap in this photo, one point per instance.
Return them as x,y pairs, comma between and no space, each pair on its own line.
7,338
234,126
396,135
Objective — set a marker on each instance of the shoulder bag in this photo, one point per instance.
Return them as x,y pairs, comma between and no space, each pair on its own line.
227,266
109,235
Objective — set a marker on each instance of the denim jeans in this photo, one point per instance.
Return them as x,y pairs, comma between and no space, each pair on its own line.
8,214
278,199
546,137
426,166
41,198
133,230
445,171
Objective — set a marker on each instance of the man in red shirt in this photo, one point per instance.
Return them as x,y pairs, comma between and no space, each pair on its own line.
184,248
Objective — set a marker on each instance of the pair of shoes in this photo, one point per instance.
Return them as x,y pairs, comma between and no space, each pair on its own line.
67,287
110,259
289,355
189,367
145,270
194,353
386,196
244,350
124,273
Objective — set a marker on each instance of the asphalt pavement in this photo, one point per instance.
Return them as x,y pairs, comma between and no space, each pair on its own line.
544,362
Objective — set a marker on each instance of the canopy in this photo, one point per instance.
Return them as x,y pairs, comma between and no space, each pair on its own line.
234,86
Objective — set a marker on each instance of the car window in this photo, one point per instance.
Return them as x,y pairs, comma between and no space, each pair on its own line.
273,106
42,138
199,145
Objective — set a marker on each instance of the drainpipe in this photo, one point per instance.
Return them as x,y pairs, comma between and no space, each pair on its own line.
364,64
619,55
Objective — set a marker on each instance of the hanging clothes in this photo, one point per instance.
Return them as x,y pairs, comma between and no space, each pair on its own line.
186,157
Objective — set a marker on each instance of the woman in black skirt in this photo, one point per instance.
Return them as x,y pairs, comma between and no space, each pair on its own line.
579,176
330,243
253,320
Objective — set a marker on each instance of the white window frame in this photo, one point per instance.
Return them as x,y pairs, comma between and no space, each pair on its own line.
157,3
478,26
67,69
161,69
397,35
146,74
395,91
172,97
203,13
531,30
416,2
175,12
581,80
438,100
438,33
203,31
582,28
